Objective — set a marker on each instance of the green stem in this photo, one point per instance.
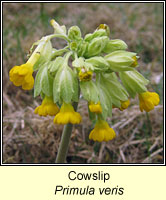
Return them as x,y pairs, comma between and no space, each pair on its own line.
59,52
65,140
63,36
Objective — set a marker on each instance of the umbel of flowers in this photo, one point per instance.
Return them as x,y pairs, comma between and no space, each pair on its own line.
98,63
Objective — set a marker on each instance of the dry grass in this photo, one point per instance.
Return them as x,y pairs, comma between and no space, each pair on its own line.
28,138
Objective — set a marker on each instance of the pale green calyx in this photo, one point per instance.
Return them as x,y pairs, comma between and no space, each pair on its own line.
114,45
96,46
120,60
134,82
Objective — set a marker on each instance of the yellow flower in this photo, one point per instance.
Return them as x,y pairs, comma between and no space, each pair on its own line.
124,104
48,107
102,132
22,76
95,108
148,100
135,63
85,75
67,115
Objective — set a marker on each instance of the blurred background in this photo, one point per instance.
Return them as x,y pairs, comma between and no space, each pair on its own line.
28,138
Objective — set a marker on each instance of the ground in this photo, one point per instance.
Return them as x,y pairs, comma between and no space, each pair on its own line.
28,138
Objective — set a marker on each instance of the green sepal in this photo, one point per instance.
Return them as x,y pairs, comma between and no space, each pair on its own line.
114,45
82,48
38,81
98,33
65,85
98,63
42,95
105,101
116,102
96,46
43,82
63,27
74,33
89,91
57,28
116,90
73,46
78,62
45,55
134,82
55,65
47,83
120,60
104,27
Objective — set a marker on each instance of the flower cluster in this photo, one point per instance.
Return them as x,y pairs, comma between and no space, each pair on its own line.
102,70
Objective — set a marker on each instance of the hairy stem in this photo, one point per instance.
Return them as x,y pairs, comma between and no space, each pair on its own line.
65,140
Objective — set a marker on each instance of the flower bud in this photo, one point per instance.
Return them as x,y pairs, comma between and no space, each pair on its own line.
73,46
82,48
120,60
114,45
98,33
96,46
57,28
74,33
104,27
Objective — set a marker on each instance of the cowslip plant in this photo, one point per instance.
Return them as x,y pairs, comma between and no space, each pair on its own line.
100,68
